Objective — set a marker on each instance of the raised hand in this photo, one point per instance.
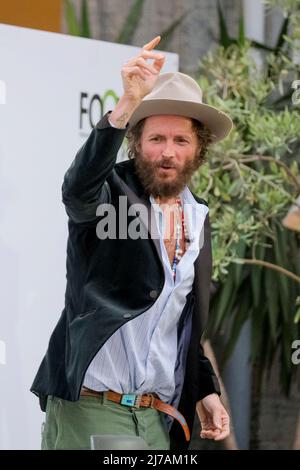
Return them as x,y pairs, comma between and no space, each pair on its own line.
138,75
214,419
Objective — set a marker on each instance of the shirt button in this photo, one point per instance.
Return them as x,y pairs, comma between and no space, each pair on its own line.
127,315
153,294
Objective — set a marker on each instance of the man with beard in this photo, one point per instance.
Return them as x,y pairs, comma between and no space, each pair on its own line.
125,357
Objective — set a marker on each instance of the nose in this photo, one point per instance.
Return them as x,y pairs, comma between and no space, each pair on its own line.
168,150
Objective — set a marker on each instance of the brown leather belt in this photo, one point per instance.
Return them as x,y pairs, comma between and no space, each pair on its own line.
148,400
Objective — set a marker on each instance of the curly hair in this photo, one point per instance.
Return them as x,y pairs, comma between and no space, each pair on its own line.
202,132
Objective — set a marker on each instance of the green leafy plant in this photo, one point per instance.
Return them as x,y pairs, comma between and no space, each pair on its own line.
252,180
286,44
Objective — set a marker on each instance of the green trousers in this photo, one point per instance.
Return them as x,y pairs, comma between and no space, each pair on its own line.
69,425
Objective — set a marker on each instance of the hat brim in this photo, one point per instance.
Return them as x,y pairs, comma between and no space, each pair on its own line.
219,123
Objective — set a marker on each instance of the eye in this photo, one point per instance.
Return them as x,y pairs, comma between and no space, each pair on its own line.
155,139
182,140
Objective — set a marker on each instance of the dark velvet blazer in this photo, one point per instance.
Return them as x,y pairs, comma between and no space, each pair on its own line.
111,281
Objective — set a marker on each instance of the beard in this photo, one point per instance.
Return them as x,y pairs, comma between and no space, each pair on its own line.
158,186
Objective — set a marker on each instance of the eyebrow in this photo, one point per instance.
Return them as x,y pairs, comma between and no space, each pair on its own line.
157,134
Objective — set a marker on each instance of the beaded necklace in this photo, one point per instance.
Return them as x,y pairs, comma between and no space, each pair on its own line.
180,229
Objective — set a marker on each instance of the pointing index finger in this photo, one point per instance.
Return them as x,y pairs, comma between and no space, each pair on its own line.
152,44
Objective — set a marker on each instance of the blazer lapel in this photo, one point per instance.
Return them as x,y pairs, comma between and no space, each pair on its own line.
203,277
146,217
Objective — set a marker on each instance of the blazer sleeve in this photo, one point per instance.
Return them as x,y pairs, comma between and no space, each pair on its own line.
83,187
206,378
208,381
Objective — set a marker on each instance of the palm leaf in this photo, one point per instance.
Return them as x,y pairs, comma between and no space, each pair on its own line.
297,316
281,260
71,18
287,340
272,295
131,22
222,304
256,274
225,39
85,24
242,36
258,332
281,37
259,45
237,268
255,279
167,33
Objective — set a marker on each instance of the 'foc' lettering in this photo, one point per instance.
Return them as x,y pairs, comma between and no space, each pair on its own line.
93,107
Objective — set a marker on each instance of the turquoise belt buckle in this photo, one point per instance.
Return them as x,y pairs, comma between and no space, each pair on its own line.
128,400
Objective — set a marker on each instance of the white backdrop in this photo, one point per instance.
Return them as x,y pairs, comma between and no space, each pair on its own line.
45,79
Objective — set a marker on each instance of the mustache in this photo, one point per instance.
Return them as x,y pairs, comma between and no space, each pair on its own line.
147,173
165,163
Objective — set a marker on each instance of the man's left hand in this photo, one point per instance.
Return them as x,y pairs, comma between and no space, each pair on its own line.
213,417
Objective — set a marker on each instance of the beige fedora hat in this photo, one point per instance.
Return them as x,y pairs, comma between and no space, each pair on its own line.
178,94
